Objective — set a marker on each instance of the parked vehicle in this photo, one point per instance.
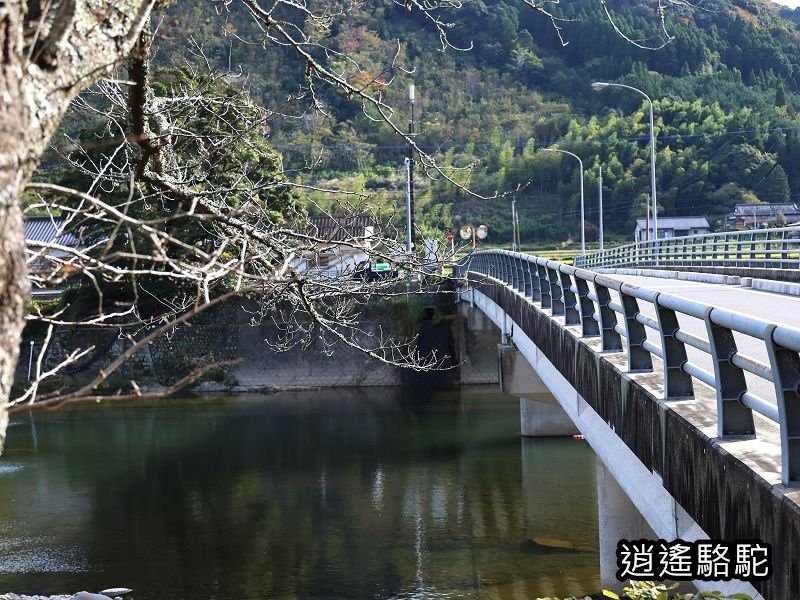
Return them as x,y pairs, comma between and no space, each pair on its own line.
368,271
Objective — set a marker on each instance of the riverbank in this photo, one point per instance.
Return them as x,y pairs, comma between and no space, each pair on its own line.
228,335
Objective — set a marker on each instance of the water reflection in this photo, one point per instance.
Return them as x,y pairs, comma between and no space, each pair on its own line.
334,494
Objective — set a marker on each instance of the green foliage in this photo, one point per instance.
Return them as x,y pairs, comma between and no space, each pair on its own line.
219,151
650,590
725,90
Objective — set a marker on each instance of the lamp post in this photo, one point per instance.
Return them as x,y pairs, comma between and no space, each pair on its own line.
600,201
580,162
410,209
600,85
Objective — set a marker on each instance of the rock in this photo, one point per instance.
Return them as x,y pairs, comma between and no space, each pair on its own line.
21,597
89,596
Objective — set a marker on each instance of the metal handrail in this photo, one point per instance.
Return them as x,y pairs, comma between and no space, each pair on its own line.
583,298
757,248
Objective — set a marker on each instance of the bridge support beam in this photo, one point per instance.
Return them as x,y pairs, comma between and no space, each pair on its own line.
618,519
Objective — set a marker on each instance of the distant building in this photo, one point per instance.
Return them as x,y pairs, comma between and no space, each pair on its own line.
755,216
41,234
671,227
342,243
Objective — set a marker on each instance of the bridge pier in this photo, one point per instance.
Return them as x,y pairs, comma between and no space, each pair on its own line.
543,418
618,519
540,414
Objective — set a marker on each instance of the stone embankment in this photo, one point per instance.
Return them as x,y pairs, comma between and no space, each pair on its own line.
229,335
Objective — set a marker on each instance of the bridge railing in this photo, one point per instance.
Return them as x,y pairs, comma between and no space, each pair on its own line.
609,309
759,248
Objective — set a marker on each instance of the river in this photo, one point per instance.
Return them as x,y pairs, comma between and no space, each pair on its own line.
369,493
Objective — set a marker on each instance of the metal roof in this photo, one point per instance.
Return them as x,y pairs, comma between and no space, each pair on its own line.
676,223
340,229
48,230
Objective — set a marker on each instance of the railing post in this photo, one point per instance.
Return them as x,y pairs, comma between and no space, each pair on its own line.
785,364
516,274
544,286
589,327
767,249
571,314
703,252
677,383
556,296
733,417
784,250
608,320
522,285
531,281
639,359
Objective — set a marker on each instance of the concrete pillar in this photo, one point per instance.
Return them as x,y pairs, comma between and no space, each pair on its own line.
618,519
542,416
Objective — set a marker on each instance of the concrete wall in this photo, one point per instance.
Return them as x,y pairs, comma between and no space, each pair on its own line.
325,362
684,482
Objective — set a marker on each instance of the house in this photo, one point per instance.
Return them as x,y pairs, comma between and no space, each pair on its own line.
41,234
755,216
343,243
671,227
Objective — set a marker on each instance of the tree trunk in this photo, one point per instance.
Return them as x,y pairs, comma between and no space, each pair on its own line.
14,290
45,60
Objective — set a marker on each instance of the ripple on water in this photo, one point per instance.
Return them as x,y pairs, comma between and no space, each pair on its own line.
6,468
38,555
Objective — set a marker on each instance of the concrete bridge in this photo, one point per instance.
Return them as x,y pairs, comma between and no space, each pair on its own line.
688,392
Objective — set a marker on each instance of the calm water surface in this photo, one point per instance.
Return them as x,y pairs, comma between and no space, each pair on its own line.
331,494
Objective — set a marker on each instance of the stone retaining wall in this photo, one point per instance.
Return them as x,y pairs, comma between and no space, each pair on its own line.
227,334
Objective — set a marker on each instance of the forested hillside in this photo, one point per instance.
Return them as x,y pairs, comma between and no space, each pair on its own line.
726,93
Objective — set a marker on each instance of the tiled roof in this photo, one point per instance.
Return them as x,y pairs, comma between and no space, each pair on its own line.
676,223
48,230
339,229
764,210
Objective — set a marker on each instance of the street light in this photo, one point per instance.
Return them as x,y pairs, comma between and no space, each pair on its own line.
600,85
580,162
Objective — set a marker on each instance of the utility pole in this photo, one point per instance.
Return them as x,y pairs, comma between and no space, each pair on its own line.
600,198
514,223
409,209
410,174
